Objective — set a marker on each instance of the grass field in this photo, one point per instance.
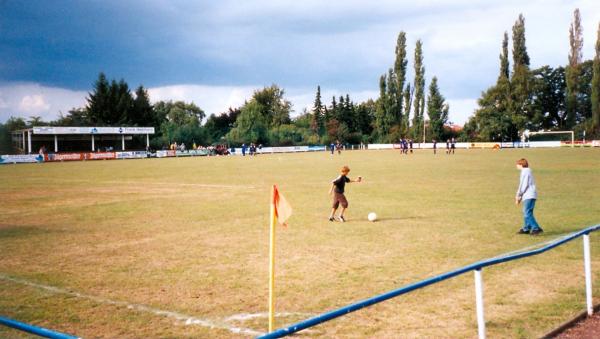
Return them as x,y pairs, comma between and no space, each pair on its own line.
179,247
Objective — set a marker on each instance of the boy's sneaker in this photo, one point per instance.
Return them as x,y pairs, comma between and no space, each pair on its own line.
342,218
522,231
331,219
537,231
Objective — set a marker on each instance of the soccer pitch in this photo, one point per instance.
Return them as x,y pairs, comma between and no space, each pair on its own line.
178,247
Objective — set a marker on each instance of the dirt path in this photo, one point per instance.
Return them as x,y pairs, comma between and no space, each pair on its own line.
587,328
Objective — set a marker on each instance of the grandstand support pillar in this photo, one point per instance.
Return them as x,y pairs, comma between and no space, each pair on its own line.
93,144
588,274
122,142
479,303
55,143
29,142
147,141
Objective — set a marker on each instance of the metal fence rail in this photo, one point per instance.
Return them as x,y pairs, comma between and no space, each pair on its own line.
39,331
476,267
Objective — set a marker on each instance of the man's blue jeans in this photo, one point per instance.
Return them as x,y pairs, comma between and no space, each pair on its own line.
530,224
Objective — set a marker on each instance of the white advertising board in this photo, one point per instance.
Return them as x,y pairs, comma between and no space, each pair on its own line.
93,130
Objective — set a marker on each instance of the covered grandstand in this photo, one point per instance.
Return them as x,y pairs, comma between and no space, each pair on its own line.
76,139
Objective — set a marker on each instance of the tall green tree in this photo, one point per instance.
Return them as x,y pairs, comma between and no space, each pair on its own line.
381,122
573,69
549,97
400,66
218,125
317,117
272,105
350,114
407,97
437,110
393,111
595,97
181,123
521,79
6,129
98,106
365,114
142,112
493,119
110,104
267,110
250,126
503,90
491,122
419,100
504,64
122,103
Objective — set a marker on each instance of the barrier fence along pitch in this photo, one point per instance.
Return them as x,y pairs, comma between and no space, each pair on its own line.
476,267
39,331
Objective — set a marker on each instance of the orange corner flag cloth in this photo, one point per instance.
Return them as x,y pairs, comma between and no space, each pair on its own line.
283,210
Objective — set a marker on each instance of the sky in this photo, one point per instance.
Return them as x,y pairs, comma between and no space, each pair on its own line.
216,53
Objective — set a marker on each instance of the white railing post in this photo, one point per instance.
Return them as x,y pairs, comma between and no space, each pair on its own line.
588,273
479,303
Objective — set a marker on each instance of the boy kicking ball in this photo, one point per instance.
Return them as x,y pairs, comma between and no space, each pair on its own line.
337,188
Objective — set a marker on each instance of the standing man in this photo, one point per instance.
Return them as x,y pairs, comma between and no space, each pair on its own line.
434,146
453,145
332,147
410,144
527,193
243,149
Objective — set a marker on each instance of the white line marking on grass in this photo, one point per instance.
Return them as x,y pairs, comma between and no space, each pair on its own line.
188,320
182,184
250,316
531,247
146,183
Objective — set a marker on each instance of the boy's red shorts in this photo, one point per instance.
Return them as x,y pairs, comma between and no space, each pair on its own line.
339,198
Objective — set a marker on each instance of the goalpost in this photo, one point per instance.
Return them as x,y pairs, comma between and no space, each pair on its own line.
527,134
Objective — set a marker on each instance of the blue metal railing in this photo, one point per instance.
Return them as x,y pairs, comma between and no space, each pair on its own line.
477,266
39,331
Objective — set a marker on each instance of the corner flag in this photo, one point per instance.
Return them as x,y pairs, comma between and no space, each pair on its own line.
280,213
283,210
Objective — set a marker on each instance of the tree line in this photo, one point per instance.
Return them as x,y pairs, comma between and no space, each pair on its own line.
562,98
266,117
388,118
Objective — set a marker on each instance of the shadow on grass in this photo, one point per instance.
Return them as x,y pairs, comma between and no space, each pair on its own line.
399,218
17,231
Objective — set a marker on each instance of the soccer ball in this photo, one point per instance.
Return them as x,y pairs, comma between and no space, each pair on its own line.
372,216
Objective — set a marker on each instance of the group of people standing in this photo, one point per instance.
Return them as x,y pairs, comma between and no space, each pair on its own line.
337,146
251,149
406,145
